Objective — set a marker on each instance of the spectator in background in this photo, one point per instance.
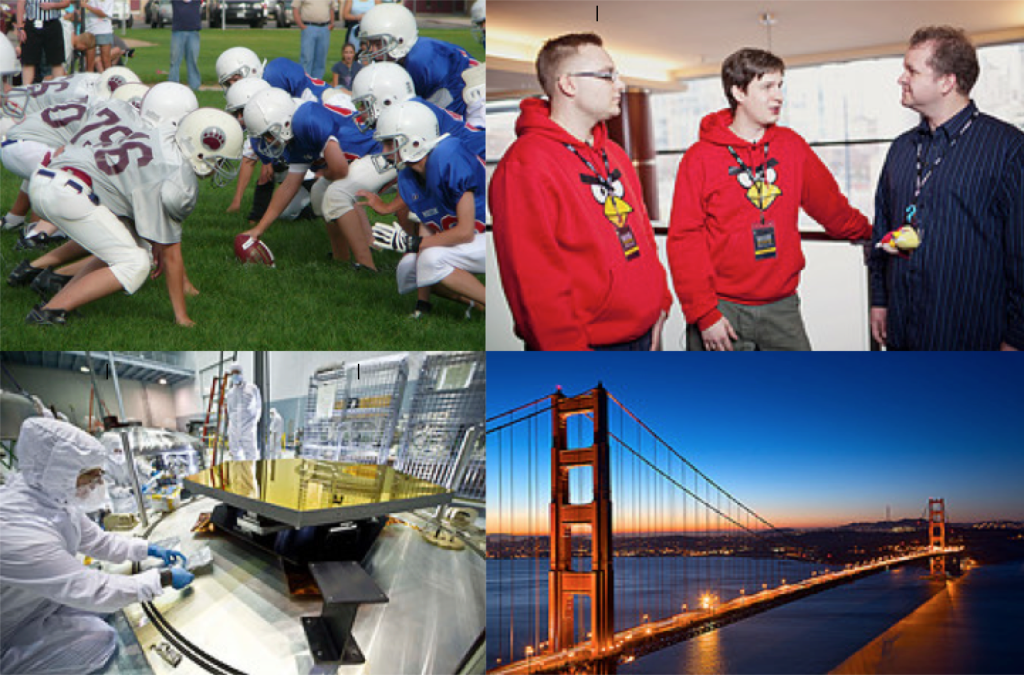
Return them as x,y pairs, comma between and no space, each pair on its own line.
351,13
346,69
315,18
97,22
39,31
185,25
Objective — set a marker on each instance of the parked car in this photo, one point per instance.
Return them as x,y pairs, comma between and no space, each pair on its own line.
122,12
255,13
282,12
158,13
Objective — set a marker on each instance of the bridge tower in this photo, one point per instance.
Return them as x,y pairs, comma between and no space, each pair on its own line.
937,534
565,583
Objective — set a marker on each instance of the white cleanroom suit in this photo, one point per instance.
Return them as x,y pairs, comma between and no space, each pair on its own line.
49,623
245,406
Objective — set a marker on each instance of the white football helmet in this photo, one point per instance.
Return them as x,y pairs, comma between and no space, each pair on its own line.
114,77
386,32
212,141
413,129
237,63
133,92
167,103
268,116
241,92
478,15
376,88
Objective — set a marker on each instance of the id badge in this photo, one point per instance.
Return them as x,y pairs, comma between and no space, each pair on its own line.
38,24
764,240
630,249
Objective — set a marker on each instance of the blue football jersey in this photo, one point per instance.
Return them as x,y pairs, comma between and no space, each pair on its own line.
453,124
288,75
452,171
314,124
436,71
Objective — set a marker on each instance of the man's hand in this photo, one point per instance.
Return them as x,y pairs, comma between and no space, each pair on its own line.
393,238
1007,347
659,325
234,206
878,323
719,336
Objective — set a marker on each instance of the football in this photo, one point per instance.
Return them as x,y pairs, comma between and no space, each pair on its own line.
249,249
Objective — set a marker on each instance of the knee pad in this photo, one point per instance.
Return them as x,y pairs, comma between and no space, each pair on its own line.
132,268
432,265
316,195
406,273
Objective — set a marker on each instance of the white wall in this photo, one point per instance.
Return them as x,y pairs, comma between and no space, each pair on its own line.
69,393
833,293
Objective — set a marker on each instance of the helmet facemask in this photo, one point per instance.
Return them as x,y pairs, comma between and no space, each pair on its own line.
279,134
15,102
376,48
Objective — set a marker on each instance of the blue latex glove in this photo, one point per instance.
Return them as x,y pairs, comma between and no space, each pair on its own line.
169,557
180,578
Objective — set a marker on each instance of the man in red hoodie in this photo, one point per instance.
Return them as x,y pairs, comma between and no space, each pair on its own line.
574,242
733,243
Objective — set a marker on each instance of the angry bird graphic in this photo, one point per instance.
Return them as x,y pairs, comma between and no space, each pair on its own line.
609,193
761,188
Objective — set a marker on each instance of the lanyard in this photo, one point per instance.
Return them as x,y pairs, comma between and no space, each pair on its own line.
922,175
753,176
612,176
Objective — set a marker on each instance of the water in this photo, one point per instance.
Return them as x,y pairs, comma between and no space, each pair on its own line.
811,635
655,587
973,627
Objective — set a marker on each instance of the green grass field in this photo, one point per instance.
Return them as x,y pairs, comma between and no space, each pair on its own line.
306,302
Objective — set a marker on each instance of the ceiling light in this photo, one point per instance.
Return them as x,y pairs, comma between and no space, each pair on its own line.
84,369
162,380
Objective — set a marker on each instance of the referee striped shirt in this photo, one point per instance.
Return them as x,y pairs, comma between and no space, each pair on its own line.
963,287
32,11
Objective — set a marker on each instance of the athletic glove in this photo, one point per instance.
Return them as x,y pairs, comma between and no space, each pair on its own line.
394,238
169,557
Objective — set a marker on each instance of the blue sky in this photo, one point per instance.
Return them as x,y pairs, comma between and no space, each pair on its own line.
815,439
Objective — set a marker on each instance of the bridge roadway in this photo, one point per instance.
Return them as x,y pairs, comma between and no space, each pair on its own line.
631,644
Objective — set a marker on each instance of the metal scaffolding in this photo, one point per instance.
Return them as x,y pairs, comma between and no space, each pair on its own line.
352,410
443,440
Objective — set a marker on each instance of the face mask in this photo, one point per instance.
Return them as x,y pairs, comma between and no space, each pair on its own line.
236,379
91,497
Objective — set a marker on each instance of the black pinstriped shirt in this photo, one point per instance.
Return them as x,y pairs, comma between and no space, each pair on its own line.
963,287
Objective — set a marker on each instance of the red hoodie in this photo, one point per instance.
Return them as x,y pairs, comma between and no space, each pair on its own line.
569,279
711,239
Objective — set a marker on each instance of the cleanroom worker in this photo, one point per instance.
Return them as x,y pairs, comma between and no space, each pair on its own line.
245,406
51,602
276,429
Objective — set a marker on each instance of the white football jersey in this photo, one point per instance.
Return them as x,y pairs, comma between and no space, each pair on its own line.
143,177
36,97
75,123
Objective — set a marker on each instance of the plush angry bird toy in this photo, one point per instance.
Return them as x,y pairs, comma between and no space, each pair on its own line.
899,242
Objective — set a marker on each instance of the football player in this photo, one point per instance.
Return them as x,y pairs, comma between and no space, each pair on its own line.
19,103
39,137
110,198
238,96
304,133
389,33
445,185
237,63
380,86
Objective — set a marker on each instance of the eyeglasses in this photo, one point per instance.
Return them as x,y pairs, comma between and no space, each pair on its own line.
609,75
